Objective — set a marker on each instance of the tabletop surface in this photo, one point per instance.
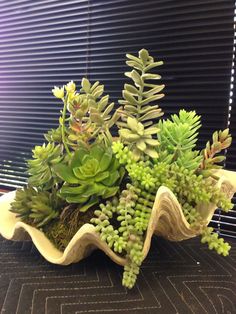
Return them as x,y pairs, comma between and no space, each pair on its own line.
182,277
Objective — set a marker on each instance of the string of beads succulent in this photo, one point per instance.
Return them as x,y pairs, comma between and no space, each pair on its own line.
86,173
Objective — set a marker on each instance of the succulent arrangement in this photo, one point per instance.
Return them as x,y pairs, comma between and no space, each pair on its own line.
85,172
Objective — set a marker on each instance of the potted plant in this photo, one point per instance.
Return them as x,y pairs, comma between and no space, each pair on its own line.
90,189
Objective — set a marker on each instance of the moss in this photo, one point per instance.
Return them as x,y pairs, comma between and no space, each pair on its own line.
61,231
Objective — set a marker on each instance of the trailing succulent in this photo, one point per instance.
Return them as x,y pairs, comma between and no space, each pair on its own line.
83,171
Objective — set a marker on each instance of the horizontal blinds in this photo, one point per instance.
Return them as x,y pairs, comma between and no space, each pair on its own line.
228,222
43,43
193,38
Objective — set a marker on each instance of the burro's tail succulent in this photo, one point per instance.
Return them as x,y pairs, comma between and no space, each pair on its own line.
92,174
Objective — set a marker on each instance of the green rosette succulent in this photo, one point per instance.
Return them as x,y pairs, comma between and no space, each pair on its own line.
92,173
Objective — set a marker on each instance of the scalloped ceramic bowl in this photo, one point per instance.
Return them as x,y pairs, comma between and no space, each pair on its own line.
167,221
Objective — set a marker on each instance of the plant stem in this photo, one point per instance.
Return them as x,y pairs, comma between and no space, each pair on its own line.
140,97
63,127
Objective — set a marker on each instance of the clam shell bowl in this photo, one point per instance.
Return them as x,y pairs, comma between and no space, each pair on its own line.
167,220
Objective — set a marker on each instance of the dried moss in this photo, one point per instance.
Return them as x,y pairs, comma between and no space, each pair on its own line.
61,231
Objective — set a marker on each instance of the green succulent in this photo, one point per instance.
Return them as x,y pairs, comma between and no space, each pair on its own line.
139,98
54,135
139,138
92,173
22,202
178,137
45,207
40,168
39,206
220,141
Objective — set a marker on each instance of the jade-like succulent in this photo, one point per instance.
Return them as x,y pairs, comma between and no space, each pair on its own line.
92,173
140,109
139,138
40,168
139,98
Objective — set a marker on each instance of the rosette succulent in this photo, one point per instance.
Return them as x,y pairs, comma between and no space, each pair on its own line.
139,138
92,173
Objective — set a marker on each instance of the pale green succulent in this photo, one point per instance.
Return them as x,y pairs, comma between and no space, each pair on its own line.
139,99
139,138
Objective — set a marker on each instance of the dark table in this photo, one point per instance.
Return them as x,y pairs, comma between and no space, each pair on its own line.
182,277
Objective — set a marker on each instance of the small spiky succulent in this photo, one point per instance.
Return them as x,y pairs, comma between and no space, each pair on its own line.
40,207
178,137
40,167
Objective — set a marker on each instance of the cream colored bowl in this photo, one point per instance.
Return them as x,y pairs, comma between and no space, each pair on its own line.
167,220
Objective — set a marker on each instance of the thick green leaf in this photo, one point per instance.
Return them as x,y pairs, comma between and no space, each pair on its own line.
111,180
85,85
152,142
143,55
153,65
128,96
130,108
94,86
65,173
132,124
103,102
153,91
141,145
128,135
152,115
149,76
97,152
131,89
151,152
106,160
65,190
151,130
108,110
135,65
76,199
151,99
101,176
136,78
98,91
129,56
110,191
77,159
92,201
